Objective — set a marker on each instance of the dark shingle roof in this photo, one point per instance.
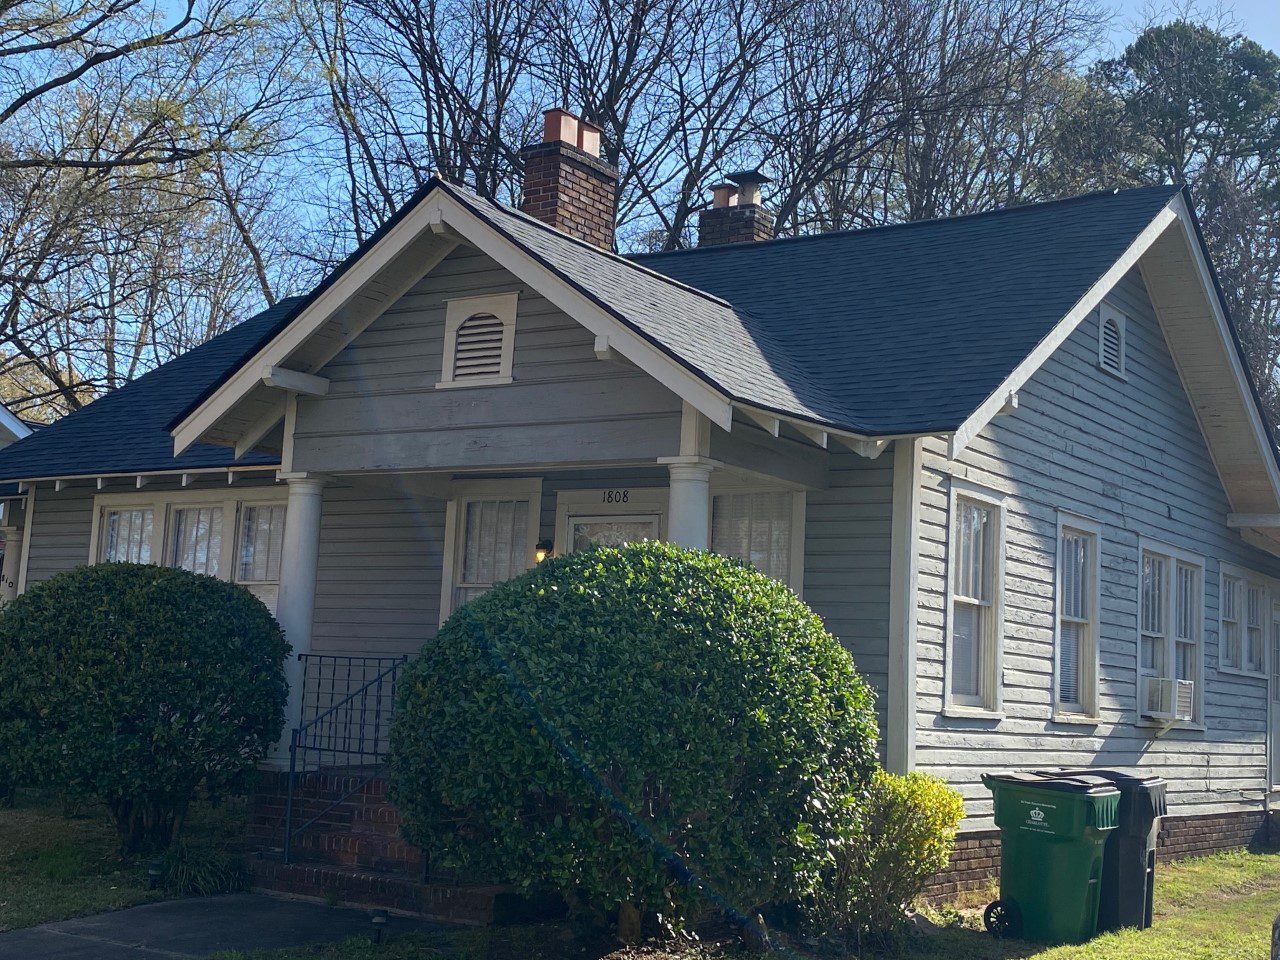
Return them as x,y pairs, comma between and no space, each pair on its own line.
127,430
907,329
894,330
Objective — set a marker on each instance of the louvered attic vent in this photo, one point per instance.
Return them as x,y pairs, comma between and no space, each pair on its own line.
1111,343
478,348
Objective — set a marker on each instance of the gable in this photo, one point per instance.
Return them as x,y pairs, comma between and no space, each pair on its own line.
385,409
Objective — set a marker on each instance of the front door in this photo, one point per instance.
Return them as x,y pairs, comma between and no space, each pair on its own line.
609,517
1273,714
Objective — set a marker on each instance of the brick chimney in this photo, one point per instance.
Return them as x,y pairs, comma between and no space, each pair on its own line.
736,215
566,184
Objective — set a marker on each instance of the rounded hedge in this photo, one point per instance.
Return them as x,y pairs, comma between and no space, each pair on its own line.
616,720
135,685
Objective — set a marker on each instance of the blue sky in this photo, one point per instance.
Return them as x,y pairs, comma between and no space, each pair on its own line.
1257,19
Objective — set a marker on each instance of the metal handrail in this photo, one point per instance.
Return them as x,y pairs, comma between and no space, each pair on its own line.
343,729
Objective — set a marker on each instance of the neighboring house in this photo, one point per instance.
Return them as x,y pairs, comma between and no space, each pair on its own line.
1014,460
11,428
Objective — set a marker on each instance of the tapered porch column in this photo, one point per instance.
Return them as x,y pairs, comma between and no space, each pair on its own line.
297,599
12,563
689,506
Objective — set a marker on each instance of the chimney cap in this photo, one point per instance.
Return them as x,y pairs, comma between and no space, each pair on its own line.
744,177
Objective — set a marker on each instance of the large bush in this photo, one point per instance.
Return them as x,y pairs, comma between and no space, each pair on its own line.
136,685
616,716
894,841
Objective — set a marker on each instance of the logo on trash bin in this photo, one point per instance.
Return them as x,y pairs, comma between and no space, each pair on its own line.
1037,815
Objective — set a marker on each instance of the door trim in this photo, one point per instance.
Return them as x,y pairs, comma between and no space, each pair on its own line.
615,501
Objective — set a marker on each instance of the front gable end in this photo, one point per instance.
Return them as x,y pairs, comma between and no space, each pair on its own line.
472,368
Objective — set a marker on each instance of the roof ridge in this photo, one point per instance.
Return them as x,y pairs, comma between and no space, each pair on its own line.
883,227
624,259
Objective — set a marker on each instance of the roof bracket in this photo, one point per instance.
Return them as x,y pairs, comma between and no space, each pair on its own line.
1010,404
813,434
294,381
766,422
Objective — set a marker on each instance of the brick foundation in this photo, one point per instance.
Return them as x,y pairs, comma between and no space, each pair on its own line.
975,863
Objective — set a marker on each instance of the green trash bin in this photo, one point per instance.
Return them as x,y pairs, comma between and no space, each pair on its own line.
1053,830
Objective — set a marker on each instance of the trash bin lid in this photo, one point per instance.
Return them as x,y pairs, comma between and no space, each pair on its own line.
1125,780
1077,782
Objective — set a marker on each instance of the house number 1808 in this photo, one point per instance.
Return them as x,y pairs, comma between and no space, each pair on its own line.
616,496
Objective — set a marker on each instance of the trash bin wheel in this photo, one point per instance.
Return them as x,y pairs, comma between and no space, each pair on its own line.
1002,919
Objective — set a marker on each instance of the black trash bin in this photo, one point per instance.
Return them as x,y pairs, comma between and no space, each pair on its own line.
1129,862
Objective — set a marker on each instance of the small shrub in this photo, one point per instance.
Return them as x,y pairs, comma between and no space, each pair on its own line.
134,685
895,840
701,696
193,871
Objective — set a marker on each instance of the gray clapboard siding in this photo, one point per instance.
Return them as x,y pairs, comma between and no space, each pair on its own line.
383,410
378,573
60,530
846,561
1129,455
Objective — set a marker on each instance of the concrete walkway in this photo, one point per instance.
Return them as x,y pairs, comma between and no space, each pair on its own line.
182,929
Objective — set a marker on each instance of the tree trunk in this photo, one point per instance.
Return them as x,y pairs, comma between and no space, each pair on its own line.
628,923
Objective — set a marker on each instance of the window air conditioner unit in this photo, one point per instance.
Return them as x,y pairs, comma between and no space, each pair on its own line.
1164,698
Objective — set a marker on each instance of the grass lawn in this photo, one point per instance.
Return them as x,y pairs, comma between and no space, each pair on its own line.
1215,908
54,866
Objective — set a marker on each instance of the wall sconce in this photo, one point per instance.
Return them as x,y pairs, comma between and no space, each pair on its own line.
543,549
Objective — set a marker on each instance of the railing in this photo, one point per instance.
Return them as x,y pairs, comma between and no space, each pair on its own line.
347,706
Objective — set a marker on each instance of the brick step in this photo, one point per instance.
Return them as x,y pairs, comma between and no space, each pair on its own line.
369,851
478,905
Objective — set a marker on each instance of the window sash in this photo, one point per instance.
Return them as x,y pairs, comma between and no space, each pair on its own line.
1171,636
195,539
756,528
974,631
493,545
126,534
261,545
1077,607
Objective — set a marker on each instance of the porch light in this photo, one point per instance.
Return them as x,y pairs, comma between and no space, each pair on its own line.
542,550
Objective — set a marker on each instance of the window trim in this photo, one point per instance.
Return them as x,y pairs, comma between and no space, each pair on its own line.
464,492
1247,578
1176,555
1107,311
1087,710
461,309
163,503
990,680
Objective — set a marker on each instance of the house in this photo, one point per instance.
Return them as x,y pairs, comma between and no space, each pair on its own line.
1014,460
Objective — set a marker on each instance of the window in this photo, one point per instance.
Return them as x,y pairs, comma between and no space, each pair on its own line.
205,531
479,340
1170,621
126,535
1244,604
760,529
261,543
1111,340
976,608
1077,594
196,538
490,534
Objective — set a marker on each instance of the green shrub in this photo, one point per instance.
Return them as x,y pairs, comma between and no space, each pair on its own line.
701,695
895,840
196,871
135,685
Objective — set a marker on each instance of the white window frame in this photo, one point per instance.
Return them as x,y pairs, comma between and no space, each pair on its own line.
799,505
1107,312
990,703
1248,578
1175,556
163,503
461,309
469,491
1090,660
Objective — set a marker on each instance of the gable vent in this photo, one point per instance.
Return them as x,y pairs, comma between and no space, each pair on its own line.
478,349
1111,343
